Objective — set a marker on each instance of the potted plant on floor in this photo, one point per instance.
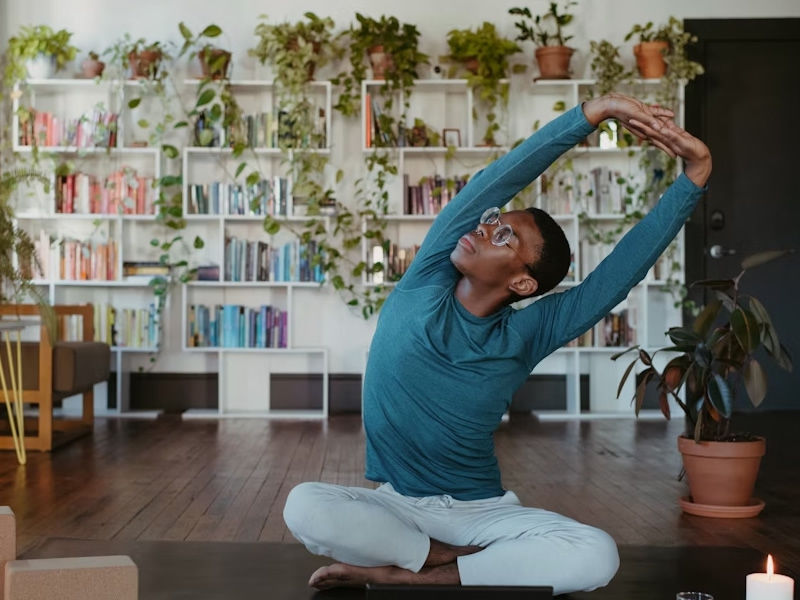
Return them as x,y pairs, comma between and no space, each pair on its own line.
717,354
37,53
484,53
552,53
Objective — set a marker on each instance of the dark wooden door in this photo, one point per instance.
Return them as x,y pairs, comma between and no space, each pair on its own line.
746,107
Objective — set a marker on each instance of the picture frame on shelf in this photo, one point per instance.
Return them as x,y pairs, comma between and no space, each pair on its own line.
452,137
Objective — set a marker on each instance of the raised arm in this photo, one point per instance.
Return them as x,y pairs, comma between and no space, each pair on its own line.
559,318
499,182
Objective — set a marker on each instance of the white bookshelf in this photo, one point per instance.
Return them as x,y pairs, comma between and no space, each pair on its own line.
654,308
206,166
71,98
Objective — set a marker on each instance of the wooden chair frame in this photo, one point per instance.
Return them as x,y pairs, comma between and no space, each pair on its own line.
65,430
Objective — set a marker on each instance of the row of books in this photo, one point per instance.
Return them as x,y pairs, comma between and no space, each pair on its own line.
236,326
123,192
96,128
249,260
432,194
117,327
264,129
266,197
394,259
74,260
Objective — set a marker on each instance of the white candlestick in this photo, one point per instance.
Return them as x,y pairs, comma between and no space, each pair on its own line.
769,586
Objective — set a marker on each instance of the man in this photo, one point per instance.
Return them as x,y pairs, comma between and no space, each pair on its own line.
448,353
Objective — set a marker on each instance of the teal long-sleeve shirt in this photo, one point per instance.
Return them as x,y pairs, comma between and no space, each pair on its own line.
439,379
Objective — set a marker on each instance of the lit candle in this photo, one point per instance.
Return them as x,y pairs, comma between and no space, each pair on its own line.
769,586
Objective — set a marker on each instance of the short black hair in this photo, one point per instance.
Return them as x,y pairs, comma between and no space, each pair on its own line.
555,255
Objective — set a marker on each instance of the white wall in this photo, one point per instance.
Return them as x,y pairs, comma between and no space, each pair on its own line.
98,23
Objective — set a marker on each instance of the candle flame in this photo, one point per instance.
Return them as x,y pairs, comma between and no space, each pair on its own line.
770,566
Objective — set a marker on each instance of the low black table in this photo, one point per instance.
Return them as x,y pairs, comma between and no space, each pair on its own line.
244,571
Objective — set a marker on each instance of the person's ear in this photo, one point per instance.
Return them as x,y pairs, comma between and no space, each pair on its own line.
524,285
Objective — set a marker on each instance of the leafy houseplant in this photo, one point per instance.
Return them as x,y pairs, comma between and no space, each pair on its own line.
37,52
662,52
392,48
716,354
298,49
18,257
484,54
552,53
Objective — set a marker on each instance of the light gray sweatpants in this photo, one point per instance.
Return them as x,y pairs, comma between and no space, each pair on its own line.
522,546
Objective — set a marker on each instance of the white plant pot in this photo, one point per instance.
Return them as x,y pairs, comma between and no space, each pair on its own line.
41,67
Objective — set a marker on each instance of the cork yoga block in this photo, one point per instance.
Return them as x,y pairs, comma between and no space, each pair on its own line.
84,578
8,541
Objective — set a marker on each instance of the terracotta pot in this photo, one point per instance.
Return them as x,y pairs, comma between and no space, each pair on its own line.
92,68
311,66
144,64
220,71
721,473
553,62
472,65
650,60
380,61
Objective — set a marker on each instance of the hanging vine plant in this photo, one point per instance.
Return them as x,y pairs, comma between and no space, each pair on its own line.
392,50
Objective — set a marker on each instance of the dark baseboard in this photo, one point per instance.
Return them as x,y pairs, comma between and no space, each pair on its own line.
177,392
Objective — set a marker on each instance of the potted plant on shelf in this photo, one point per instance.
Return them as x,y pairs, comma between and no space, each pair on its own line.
716,354
297,49
392,49
93,67
484,53
144,59
552,53
663,49
37,52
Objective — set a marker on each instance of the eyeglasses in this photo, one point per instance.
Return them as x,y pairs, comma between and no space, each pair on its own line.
502,233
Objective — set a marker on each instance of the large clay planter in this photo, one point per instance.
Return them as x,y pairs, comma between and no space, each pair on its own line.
144,65
220,69
380,61
650,59
722,475
553,62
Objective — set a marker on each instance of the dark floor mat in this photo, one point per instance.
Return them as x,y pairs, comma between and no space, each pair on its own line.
275,571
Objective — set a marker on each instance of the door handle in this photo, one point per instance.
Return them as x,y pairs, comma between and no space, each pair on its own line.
717,251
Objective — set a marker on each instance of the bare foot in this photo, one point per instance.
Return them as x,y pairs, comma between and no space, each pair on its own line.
342,575
442,554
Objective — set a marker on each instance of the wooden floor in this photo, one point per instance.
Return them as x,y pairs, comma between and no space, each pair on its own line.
228,480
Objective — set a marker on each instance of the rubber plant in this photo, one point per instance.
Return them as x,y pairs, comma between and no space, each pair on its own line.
397,64
484,53
18,257
715,354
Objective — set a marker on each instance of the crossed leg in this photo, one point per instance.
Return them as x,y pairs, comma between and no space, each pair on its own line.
383,537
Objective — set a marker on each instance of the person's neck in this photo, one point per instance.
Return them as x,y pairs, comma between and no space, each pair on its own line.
479,300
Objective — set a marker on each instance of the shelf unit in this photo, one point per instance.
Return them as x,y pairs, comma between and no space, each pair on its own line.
655,312
205,166
117,226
